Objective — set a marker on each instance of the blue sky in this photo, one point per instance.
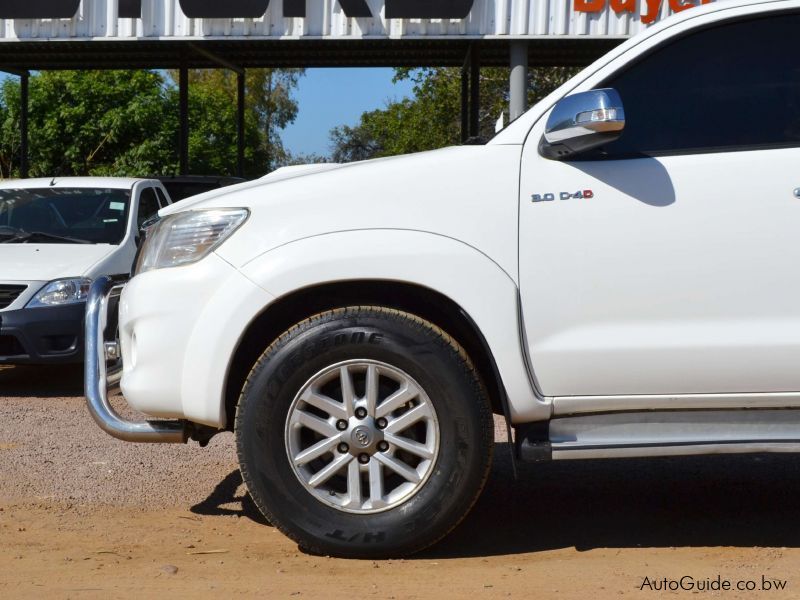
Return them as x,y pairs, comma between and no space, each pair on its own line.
331,97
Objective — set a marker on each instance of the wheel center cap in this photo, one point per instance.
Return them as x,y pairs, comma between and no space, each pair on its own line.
362,437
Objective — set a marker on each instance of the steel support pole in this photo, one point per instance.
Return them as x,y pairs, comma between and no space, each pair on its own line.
23,124
474,92
465,101
518,84
240,95
183,101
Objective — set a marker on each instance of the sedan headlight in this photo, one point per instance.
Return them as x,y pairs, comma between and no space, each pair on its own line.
62,292
186,237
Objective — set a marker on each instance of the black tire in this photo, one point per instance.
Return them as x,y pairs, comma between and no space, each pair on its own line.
436,362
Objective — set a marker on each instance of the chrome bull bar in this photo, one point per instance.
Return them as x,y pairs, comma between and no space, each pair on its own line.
99,378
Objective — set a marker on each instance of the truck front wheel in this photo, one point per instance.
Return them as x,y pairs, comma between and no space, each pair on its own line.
364,432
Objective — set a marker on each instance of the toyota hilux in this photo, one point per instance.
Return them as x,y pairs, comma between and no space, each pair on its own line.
614,273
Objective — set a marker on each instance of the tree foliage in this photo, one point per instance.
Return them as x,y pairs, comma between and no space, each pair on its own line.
126,122
104,122
432,118
269,108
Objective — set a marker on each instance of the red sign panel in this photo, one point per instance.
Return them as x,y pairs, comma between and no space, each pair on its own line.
649,9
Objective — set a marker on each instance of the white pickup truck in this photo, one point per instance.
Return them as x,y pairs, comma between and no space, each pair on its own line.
615,273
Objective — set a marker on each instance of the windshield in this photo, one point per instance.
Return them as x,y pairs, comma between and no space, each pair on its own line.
92,215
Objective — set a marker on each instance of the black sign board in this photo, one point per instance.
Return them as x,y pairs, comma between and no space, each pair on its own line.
38,9
229,9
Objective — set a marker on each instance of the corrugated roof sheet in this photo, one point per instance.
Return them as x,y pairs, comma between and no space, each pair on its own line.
325,19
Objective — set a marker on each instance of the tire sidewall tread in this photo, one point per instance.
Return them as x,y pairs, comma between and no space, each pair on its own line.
289,362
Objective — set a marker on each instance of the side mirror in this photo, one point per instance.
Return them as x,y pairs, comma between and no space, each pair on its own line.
582,122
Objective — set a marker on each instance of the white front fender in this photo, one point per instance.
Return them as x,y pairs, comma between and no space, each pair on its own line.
456,270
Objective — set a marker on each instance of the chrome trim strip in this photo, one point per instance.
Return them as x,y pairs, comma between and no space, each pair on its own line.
574,405
675,433
98,378
744,447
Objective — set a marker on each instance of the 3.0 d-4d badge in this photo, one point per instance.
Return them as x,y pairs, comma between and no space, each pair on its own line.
579,195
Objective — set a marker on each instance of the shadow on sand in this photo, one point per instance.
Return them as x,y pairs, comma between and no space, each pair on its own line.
225,501
41,381
740,501
688,501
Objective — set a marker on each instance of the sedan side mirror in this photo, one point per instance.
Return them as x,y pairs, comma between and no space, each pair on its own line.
582,122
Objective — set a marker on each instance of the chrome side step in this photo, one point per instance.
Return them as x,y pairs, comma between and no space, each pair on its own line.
689,449
98,379
662,433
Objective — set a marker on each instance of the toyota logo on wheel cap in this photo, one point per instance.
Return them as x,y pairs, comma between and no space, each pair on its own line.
361,437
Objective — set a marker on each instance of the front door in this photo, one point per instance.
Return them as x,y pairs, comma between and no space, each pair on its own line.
668,262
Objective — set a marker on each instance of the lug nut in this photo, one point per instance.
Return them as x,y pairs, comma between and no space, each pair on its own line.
363,458
383,446
343,448
381,423
341,424
361,413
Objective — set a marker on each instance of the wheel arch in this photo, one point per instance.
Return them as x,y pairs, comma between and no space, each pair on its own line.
415,299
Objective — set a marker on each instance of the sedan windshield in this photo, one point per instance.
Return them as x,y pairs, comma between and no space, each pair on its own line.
63,215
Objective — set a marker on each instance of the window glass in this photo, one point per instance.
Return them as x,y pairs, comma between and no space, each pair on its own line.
148,206
162,199
95,215
731,87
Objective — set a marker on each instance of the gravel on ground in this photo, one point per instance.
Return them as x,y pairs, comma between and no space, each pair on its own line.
85,516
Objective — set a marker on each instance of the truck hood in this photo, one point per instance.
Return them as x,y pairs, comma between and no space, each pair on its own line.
467,193
45,262
201,201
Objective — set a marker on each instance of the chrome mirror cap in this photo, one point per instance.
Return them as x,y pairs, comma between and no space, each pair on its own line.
583,121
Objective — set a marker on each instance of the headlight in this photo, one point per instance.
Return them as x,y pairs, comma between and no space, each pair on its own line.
187,237
62,292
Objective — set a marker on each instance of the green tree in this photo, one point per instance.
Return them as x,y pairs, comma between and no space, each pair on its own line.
125,123
9,128
89,123
270,92
269,108
432,118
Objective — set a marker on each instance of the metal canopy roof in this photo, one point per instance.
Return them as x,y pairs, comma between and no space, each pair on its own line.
244,34
251,53
133,34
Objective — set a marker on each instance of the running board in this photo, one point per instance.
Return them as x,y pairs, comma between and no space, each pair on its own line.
665,433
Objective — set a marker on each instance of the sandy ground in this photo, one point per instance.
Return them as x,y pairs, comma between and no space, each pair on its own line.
85,516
